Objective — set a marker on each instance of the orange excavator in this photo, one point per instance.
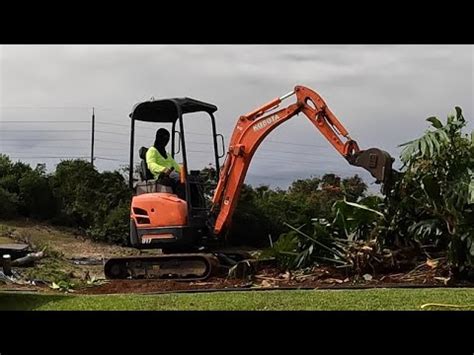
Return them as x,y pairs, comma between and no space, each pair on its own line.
190,231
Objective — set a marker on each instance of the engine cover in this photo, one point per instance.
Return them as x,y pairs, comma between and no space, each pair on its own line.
155,210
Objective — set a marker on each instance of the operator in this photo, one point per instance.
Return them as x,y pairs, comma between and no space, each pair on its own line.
160,163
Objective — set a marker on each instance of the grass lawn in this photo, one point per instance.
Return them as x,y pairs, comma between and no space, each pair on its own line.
374,299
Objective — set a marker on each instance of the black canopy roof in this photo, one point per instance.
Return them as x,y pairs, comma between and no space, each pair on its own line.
166,111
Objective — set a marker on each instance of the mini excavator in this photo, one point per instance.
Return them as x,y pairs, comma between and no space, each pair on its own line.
191,232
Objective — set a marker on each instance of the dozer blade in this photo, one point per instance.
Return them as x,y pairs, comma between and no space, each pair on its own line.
183,267
376,161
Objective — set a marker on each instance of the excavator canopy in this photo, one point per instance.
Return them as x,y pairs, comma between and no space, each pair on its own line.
167,110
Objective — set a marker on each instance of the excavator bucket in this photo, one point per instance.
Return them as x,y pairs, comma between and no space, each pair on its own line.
377,162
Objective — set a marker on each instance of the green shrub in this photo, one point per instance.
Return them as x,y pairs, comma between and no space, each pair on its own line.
8,204
115,226
75,195
75,185
37,200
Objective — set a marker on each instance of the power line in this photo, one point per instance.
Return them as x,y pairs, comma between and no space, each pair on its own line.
107,141
49,139
45,130
299,144
124,134
267,177
124,147
61,108
123,125
198,134
24,152
272,158
202,143
143,136
63,121
47,121
49,157
62,157
113,124
297,162
283,151
112,159
45,107
267,158
51,147
58,140
116,133
84,121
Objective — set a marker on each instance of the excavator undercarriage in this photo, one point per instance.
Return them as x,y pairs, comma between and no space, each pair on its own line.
178,267
172,266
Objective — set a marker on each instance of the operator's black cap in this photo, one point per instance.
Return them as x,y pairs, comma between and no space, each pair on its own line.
162,137
162,133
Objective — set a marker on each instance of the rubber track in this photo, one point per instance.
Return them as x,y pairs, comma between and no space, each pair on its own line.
211,261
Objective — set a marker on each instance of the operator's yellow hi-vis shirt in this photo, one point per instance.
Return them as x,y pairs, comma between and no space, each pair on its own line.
156,163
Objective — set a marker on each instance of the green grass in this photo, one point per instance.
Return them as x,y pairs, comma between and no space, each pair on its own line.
374,299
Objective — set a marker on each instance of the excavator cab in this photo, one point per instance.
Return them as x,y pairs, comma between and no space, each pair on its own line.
159,217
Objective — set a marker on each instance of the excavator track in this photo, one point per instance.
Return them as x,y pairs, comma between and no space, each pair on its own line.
180,267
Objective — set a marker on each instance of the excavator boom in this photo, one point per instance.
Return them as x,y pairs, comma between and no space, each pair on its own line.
252,128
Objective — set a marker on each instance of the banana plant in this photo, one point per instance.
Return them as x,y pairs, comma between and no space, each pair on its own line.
434,200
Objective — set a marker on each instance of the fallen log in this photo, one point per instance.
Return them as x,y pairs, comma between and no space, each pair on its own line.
28,259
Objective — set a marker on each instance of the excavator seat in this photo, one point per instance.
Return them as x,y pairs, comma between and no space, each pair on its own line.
145,173
148,183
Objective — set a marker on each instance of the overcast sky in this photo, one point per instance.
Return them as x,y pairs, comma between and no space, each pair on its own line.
382,94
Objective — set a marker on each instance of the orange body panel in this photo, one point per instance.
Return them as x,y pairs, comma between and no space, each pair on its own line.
159,209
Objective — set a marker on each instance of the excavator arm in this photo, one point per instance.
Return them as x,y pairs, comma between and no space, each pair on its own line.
252,128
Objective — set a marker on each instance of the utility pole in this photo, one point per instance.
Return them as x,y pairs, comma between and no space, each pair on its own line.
92,138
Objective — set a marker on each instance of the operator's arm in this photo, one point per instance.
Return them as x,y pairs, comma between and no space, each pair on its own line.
175,165
152,160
